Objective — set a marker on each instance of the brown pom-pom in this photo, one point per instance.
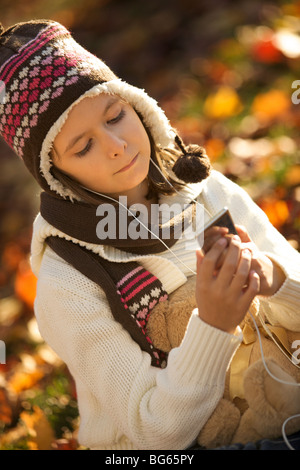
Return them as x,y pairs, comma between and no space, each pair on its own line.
194,165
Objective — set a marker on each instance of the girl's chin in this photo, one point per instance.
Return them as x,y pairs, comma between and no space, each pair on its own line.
132,185
127,189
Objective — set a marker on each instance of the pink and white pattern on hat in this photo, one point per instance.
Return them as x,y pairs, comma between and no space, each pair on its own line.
36,76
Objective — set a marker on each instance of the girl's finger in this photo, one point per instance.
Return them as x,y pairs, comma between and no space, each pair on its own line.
243,234
209,262
229,267
251,290
241,276
199,257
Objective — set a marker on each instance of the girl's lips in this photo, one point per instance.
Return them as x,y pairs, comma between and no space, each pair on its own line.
130,164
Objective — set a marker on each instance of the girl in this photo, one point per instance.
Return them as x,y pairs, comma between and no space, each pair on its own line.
97,145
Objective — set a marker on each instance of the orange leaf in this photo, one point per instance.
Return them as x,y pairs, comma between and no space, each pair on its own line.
223,104
39,428
22,380
5,408
214,148
276,210
25,284
270,105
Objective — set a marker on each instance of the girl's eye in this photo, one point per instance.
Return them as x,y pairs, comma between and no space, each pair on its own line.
86,149
117,118
89,145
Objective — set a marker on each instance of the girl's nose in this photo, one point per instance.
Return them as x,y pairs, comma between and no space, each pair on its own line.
115,145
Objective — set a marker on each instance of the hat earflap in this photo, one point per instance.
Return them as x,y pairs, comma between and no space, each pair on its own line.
193,165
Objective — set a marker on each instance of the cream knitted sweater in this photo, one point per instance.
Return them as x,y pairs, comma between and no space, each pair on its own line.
124,403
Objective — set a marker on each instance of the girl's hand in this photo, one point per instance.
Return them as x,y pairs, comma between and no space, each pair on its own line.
224,295
270,274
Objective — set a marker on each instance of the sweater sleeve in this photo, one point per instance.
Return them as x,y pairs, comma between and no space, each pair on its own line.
284,306
154,408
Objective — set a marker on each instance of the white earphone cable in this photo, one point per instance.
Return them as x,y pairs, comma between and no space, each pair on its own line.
284,433
264,362
278,380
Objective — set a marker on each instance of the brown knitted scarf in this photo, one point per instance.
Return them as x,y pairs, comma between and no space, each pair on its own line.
131,290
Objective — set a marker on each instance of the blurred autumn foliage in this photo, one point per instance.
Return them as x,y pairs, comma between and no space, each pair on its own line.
226,74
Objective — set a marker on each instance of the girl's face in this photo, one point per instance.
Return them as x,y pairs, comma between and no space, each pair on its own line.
103,145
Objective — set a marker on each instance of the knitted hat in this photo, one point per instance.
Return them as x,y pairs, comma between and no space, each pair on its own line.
44,72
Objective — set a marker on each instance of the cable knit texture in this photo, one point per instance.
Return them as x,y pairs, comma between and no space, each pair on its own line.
124,402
